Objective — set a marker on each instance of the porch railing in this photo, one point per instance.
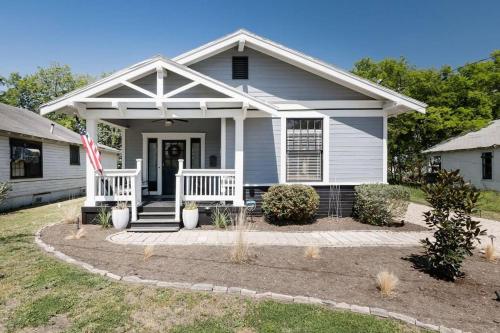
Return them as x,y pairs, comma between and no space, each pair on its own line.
203,185
120,185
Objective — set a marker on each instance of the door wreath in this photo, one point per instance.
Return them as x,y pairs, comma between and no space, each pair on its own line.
174,150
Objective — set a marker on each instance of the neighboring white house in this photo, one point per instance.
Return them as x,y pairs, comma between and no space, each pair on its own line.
475,154
225,121
41,160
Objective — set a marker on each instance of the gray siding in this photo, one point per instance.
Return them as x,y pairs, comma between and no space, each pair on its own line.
274,80
356,149
133,143
261,149
60,179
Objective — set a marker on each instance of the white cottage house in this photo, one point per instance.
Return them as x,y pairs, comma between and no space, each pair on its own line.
41,160
228,119
475,154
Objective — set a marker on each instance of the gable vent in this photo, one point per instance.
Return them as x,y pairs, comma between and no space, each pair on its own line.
240,68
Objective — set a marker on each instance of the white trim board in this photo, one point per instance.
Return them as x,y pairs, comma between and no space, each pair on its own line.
168,136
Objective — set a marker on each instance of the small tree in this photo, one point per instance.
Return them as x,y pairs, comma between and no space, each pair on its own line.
453,201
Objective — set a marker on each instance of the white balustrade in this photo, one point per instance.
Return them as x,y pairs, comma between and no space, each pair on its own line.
120,185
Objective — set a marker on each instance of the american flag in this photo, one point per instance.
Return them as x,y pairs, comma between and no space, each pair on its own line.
90,147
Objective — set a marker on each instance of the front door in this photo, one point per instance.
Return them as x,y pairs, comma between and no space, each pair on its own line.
172,151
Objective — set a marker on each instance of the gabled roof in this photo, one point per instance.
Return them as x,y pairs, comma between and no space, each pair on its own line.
25,122
244,38
486,137
142,67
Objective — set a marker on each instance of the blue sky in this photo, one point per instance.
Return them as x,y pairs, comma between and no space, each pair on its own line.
102,36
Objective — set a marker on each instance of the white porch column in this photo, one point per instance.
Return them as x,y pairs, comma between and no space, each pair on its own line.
222,143
123,147
238,159
90,172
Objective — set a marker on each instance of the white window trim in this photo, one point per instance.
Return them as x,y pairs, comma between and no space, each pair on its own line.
169,136
325,175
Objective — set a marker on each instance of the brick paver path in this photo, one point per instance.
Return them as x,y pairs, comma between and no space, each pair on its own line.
268,238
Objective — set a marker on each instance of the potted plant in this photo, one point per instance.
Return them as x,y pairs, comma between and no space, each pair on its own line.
190,215
120,215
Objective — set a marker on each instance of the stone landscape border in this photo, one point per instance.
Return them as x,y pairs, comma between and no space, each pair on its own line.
208,287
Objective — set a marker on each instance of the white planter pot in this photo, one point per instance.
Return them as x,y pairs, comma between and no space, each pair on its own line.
120,218
190,218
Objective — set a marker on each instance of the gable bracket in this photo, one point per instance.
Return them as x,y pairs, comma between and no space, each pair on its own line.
137,88
241,45
120,106
181,89
244,108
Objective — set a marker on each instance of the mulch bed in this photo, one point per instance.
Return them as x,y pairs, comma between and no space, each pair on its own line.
323,224
341,274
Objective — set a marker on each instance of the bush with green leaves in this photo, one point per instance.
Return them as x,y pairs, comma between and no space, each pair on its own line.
380,204
453,201
285,204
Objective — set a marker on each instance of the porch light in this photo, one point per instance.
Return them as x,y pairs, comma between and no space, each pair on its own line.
168,123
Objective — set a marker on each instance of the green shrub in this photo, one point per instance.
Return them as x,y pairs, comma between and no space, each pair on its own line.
453,201
380,204
295,203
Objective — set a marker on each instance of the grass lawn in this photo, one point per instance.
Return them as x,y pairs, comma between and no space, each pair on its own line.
40,292
489,202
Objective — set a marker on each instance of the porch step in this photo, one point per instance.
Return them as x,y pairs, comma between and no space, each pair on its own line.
153,215
156,209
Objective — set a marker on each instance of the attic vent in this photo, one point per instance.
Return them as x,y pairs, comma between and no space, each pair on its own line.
240,68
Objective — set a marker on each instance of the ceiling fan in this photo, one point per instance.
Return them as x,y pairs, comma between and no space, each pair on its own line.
170,122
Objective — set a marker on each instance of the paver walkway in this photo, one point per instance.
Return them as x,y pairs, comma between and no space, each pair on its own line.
415,213
273,238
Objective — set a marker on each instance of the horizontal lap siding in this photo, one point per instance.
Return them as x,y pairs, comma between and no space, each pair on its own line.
261,149
356,149
274,80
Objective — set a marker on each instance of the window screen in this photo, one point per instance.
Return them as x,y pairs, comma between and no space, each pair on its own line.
25,159
240,68
304,145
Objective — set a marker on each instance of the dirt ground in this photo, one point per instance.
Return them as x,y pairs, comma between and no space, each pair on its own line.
341,274
323,224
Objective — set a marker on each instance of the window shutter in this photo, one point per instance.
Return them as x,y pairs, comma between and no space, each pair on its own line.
240,68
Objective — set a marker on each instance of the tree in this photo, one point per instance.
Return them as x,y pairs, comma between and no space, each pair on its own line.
453,201
33,90
459,100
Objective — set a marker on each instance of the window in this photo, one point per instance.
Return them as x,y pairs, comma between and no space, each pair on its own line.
152,164
240,68
435,164
25,159
487,159
74,155
304,150
195,153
